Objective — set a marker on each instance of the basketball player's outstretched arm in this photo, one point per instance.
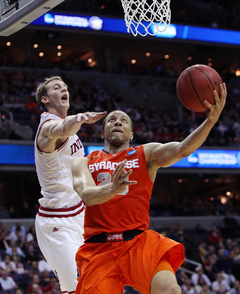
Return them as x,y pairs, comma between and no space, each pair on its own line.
71,124
86,188
53,130
163,155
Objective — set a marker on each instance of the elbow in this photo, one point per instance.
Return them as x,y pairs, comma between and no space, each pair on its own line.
184,152
84,194
88,203
79,192
183,155
86,199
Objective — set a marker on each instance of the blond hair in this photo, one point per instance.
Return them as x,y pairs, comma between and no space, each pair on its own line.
42,89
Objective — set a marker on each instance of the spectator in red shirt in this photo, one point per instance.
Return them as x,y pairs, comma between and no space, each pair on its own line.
215,236
35,287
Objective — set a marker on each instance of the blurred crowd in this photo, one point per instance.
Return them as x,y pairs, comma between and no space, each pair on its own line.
216,253
151,123
23,269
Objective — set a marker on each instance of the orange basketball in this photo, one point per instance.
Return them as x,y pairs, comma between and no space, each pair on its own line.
196,84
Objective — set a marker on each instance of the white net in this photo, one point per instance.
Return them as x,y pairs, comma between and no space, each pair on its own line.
146,17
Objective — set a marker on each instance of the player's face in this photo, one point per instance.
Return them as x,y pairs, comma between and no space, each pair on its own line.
57,94
117,128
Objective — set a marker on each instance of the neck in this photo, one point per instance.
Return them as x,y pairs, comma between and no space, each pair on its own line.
113,149
59,112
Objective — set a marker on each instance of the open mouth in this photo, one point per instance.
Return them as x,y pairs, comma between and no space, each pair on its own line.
64,98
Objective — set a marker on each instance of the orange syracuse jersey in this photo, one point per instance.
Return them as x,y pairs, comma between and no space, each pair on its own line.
128,211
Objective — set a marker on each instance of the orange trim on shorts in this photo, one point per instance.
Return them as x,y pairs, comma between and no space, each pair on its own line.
163,265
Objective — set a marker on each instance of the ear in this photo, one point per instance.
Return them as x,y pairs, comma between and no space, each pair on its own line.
102,134
131,136
44,99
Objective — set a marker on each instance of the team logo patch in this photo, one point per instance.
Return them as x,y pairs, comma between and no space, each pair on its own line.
132,152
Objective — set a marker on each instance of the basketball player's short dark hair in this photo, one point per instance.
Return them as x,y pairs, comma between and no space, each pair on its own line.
104,121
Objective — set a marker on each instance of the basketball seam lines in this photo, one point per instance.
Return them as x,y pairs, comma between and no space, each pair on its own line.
194,87
209,82
181,96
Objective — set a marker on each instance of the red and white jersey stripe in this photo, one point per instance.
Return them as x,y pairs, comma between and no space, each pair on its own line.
61,212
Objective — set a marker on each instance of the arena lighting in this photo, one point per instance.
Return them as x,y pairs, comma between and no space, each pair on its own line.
223,200
237,72
16,14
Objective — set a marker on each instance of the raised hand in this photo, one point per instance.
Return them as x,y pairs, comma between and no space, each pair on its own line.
120,178
90,117
216,109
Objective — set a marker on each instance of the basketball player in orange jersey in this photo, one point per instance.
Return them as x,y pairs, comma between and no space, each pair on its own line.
115,185
59,222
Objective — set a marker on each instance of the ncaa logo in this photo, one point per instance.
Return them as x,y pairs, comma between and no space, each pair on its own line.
48,18
131,152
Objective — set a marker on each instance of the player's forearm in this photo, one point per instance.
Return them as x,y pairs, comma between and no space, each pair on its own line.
93,195
97,194
195,139
71,125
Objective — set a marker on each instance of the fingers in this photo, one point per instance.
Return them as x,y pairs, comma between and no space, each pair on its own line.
96,115
120,175
120,167
219,101
81,117
91,117
223,93
223,89
100,114
207,104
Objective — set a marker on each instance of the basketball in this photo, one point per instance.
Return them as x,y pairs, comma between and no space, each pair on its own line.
196,84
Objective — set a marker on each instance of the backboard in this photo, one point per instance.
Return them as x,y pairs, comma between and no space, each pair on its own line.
16,14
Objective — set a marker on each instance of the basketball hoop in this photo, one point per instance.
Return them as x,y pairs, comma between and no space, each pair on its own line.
146,17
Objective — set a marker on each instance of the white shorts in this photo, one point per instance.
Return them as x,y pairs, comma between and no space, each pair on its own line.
59,239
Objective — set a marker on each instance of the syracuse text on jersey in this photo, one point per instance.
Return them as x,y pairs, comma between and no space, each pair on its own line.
112,165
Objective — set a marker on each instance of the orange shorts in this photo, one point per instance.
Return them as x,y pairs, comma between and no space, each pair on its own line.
106,267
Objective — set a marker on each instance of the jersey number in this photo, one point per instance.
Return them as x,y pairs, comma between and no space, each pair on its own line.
106,178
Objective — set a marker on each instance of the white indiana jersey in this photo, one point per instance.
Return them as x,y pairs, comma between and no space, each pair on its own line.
54,170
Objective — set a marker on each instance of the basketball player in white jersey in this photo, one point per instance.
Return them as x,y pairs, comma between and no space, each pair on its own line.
59,222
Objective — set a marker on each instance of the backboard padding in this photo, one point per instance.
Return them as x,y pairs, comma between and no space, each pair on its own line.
15,18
